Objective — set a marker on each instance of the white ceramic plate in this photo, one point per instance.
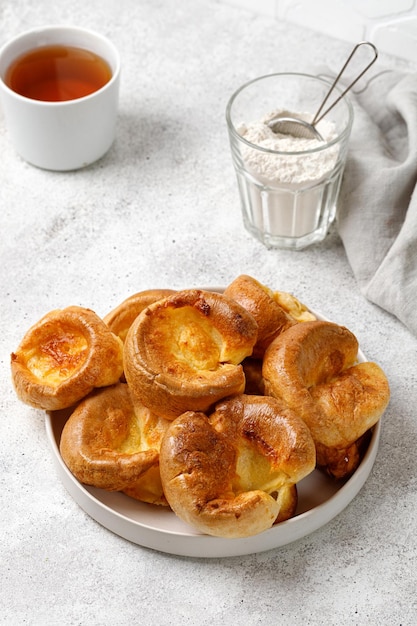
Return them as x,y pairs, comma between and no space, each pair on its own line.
320,500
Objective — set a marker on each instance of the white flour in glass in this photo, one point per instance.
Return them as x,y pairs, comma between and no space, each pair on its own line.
288,189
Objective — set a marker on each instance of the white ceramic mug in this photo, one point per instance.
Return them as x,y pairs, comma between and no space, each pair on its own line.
69,134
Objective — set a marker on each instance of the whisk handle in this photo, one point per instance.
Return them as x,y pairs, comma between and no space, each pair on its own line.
317,116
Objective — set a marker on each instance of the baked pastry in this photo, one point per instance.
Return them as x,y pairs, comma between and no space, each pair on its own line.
112,442
287,499
185,352
223,473
313,368
292,305
120,319
274,312
63,357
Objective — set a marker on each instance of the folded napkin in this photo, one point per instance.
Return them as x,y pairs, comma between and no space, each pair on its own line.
377,215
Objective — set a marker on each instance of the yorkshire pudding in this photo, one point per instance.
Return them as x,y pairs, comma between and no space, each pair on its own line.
112,442
287,502
120,319
184,352
274,312
223,473
313,368
63,357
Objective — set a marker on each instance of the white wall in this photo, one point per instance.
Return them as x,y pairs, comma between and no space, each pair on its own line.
390,24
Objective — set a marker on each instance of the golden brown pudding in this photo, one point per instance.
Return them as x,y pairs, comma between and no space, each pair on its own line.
313,367
274,312
112,442
185,352
63,357
120,319
223,473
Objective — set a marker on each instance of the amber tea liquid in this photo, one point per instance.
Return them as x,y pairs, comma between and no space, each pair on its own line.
57,73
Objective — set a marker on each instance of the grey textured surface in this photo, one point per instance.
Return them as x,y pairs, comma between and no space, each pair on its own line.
161,210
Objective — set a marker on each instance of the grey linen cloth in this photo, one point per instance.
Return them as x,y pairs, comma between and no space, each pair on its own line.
377,214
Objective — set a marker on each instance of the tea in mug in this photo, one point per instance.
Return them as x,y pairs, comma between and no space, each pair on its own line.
57,73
